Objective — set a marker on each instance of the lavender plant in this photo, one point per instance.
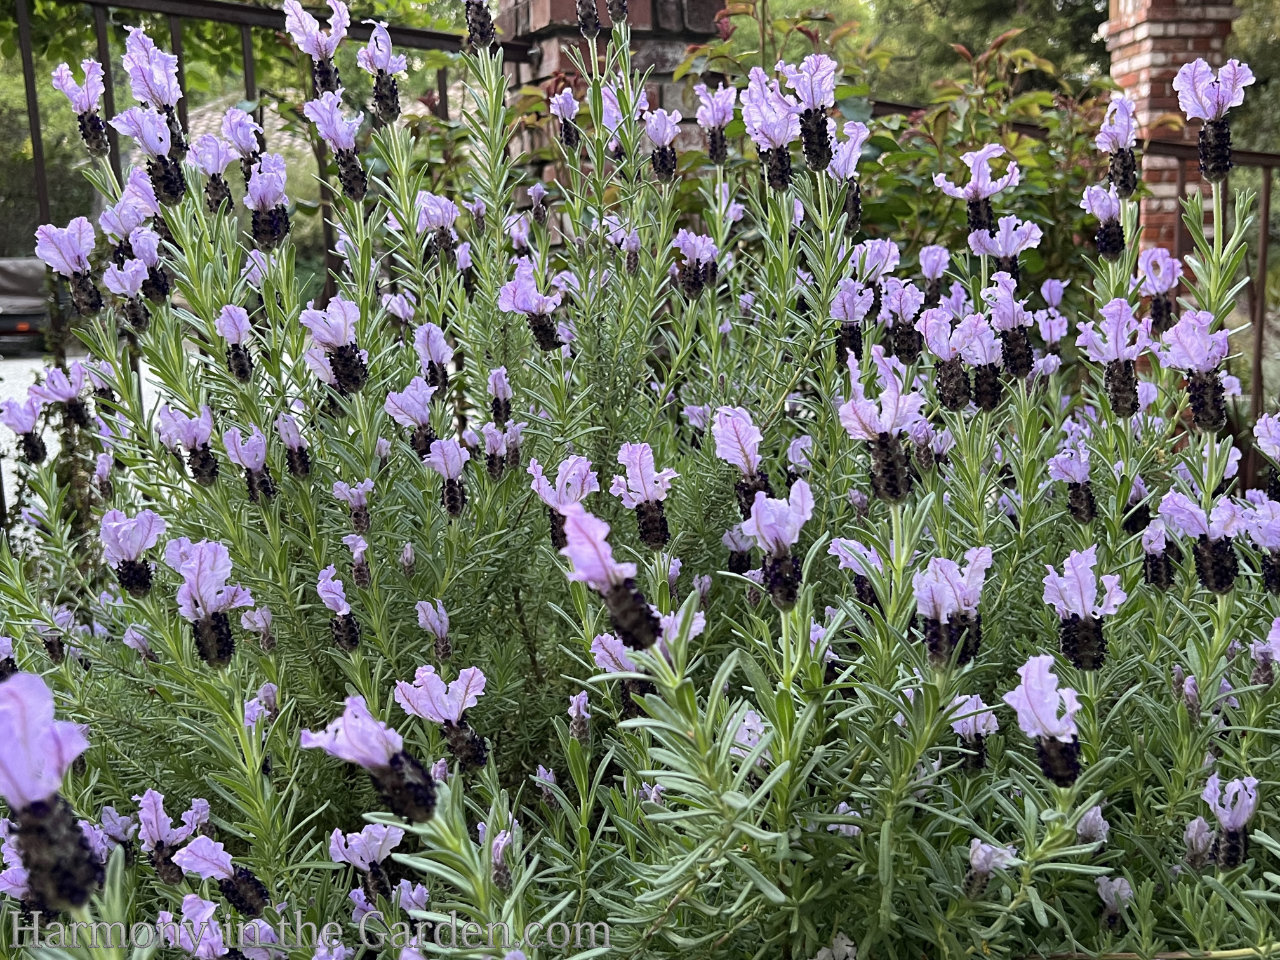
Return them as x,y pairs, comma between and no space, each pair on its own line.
919,520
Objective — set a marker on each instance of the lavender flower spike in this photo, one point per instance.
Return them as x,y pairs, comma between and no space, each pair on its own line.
359,738
984,860
814,82
1190,346
84,101
412,408
124,541
521,295
947,600
209,860
1073,594
23,418
66,250
775,526
662,128
205,597
574,480
1234,807
773,123
320,46
592,558
1202,96
343,626
738,444
340,134
1037,701
977,193
715,112
334,329
975,722
1103,203
447,458
430,698
1119,342
880,424
378,61
251,455
265,196
643,489
1117,136
61,871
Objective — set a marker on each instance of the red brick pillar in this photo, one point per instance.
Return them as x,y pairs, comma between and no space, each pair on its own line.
1149,40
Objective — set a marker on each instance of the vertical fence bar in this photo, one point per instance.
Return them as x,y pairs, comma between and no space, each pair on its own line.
442,93
1260,291
246,53
33,109
109,87
175,42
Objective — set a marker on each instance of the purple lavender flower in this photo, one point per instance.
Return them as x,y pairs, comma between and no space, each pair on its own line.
564,108
1190,346
1073,594
378,60
521,295
715,112
881,424
1011,237
1037,701
947,600
1120,341
334,330
434,354
447,458
59,869
340,134
591,556
432,699
265,197
412,408
1103,203
84,101
251,455
211,155
775,527
773,123
662,128
66,250
574,480
244,135
738,444
153,74
975,721
205,597
977,193
643,489
1234,807
124,541
320,46
698,270
357,737
22,417
814,82
984,860
1202,96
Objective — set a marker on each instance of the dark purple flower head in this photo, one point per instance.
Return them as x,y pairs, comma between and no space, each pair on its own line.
715,108
306,32
377,55
1012,237
981,186
1037,701
38,749
589,551
521,295
942,590
1120,335
737,439
644,482
432,699
251,453
574,480
1074,592
1234,806
83,99
149,130
241,132
775,524
1119,129
772,118
204,567
331,592
153,74
356,737
814,81
66,250
847,152
662,126
412,407
267,183
1189,345
447,458
127,538
211,154
1202,96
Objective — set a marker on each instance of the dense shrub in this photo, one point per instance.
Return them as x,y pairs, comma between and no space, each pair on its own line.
892,632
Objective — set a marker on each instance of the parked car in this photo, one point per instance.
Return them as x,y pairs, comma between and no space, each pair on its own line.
24,298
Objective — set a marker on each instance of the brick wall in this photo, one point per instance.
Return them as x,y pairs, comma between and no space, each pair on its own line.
1149,40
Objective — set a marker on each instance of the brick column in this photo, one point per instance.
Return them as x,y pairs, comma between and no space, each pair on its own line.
1149,40
661,32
